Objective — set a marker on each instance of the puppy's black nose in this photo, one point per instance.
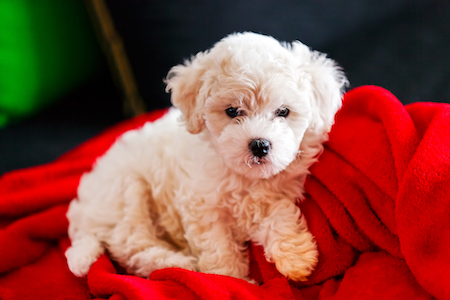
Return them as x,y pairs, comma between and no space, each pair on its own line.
259,147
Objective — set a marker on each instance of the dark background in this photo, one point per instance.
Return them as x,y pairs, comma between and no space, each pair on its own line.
402,45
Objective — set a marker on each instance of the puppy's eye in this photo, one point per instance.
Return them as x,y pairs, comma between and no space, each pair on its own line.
282,112
234,112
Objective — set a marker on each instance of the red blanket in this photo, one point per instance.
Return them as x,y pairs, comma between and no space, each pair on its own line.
378,204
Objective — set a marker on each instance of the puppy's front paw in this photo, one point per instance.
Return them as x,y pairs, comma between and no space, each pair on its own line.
295,259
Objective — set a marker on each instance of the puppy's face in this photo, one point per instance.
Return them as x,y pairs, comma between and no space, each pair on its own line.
256,127
257,98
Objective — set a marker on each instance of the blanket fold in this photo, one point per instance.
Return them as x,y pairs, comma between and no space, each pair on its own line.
377,202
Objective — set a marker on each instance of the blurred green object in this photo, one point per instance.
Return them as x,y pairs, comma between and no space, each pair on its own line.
47,48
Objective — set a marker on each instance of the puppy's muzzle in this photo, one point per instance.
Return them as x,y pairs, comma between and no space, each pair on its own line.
259,147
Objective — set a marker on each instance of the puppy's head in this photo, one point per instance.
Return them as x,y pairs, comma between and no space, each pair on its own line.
257,98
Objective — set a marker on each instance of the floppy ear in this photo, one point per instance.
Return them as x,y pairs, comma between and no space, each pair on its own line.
328,83
186,84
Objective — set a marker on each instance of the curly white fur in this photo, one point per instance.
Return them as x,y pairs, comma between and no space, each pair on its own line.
190,194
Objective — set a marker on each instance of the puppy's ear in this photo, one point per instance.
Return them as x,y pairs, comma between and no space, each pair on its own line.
328,83
186,84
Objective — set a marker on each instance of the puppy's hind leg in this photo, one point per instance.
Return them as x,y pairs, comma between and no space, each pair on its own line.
136,242
142,251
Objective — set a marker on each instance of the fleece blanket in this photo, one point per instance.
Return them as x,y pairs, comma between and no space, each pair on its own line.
378,203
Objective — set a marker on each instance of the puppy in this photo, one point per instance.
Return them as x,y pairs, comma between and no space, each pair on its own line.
225,167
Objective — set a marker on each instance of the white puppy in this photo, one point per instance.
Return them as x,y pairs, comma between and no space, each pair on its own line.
255,114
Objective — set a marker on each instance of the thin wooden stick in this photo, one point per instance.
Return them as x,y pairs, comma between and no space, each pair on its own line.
118,61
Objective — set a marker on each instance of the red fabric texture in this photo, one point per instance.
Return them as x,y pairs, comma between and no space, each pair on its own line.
378,203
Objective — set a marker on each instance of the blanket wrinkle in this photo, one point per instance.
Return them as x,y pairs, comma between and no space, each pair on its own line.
377,203
33,235
351,190
358,181
336,255
338,216
423,209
